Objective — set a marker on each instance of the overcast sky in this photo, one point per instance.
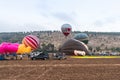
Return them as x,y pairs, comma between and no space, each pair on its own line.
38,15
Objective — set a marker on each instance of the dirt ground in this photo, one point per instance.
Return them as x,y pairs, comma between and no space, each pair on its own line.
70,69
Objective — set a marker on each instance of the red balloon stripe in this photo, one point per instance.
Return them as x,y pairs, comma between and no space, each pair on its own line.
35,40
68,29
31,42
66,33
28,44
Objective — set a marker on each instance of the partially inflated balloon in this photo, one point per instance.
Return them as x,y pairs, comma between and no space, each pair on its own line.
8,47
12,47
23,49
66,29
71,45
28,49
31,41
82,37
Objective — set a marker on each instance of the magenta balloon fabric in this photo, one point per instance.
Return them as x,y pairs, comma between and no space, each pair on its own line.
6,47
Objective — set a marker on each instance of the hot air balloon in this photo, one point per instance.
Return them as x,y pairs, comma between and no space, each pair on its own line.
23,49
71,45
66,29
82,37
31,41
8,47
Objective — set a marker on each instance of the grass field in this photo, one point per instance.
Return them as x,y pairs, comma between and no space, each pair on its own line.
70,69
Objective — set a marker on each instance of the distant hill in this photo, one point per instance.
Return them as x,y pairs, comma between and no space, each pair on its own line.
103,40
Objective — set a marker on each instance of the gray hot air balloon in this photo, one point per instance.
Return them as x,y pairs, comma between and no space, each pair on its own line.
72,44
82,37
66,29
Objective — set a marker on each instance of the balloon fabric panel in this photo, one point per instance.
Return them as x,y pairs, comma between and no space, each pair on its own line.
23,49
31,41
8,47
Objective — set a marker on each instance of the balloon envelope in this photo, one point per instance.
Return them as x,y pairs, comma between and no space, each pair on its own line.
8,47
72,44
31,41
12,48
23,49
66,29
82,37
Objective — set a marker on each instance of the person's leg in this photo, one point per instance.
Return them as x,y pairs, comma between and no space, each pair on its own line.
21,57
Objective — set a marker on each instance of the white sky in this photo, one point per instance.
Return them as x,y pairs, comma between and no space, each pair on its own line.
82,15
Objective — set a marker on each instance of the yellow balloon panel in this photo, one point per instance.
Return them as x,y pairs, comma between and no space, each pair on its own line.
28,49
23,49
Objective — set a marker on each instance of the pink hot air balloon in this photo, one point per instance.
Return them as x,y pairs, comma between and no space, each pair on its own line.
1,49
31,41
66,29
12,47
8,47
